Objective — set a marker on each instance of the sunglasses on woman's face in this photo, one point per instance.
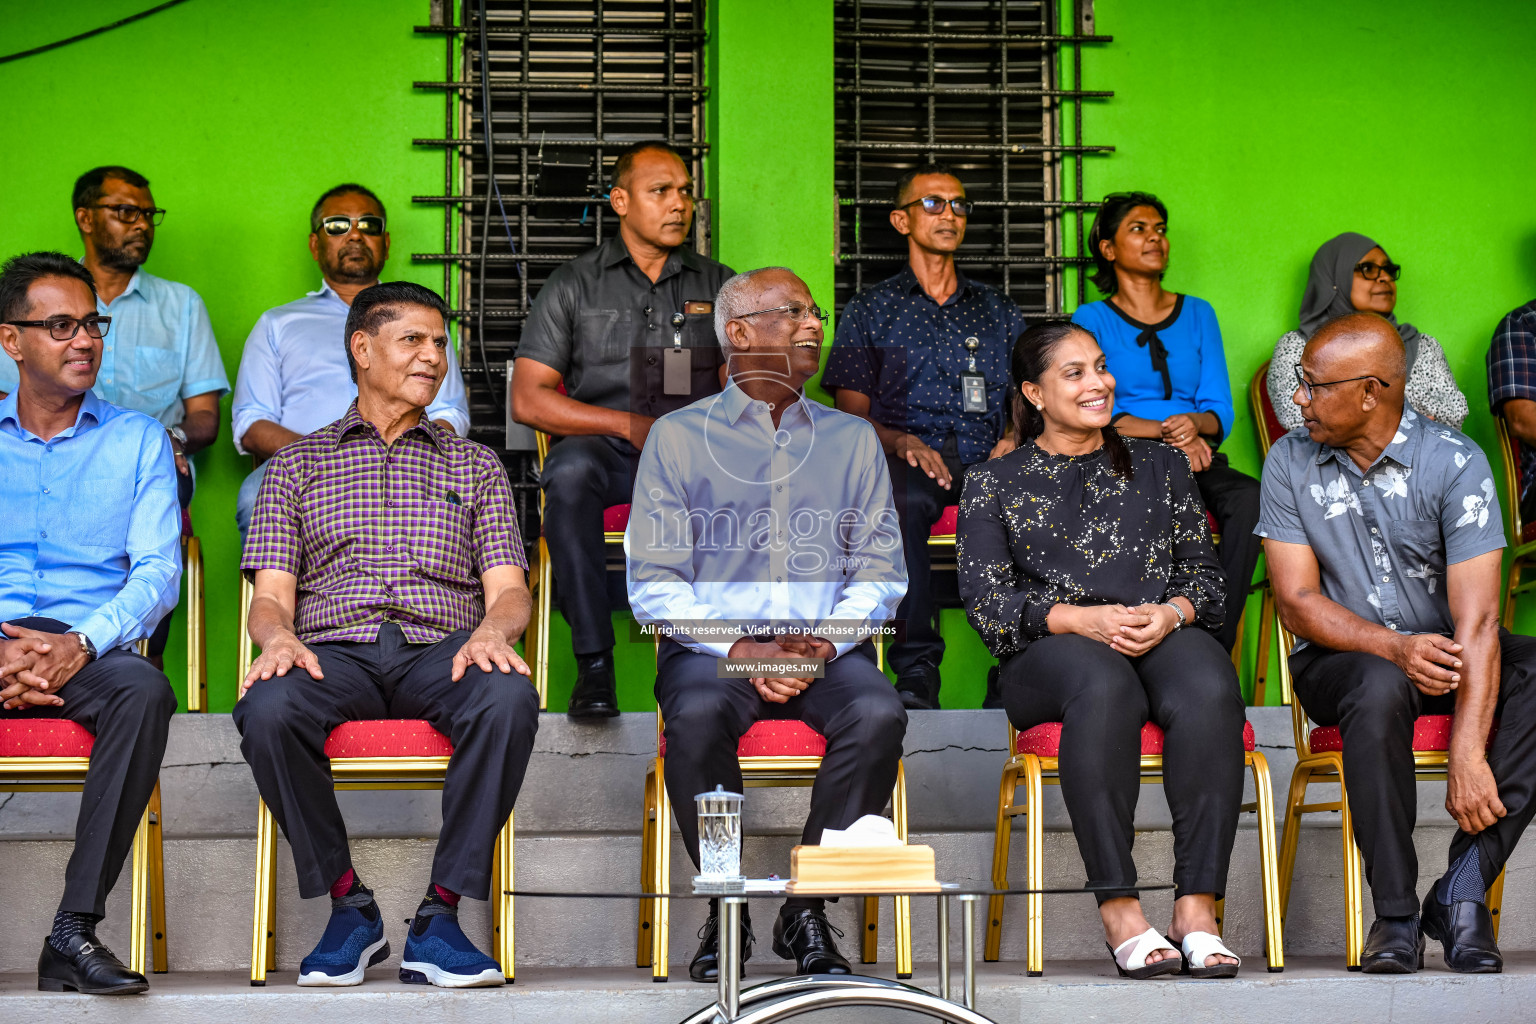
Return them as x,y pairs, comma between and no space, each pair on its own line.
367,224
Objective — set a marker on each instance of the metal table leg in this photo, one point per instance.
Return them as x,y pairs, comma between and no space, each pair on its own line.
729,971
968,920
942,901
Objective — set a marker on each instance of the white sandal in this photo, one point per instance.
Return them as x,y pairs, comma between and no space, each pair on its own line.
1133,963
1198,947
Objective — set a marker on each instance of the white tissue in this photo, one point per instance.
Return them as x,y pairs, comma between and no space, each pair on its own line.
870,830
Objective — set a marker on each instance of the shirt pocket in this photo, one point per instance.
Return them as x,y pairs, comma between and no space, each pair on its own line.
157,374
1418,547
439,541
604,337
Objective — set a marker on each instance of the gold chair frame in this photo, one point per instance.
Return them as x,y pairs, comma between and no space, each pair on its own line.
1520,553
1033,771
652,936
1258,399
1327,766
197,625
147,897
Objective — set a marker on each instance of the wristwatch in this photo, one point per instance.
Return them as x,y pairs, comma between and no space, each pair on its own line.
179,434
86,645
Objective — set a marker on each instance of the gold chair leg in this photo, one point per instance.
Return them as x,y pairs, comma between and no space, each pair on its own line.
869,936
647,910
156,882
1001,840
197,641
1495,901
243,638
504,879
663,856
901,908
264,917
1266,637
1290,835
1034,877
542,610
1269,885
1354,912
139,915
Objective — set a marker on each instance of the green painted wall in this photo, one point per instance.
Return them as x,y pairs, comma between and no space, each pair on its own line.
240,115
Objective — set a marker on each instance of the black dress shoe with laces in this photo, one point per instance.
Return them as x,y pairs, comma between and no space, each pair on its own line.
805,936
706,962
918,687
1465,929
89,967
596,692
1393,947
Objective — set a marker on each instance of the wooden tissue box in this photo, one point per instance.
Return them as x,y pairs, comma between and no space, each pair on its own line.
855,869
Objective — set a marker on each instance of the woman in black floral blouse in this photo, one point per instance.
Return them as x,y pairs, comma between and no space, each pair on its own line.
1086,566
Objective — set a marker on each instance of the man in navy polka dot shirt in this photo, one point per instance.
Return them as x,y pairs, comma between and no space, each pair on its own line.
924,356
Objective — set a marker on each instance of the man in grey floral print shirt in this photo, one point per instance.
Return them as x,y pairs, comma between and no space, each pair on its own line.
1384,539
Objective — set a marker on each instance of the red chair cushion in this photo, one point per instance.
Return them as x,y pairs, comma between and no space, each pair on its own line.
1430,732
948,524
1044,740
389,737
44,737
616,518
776,739
1211,522
1272,425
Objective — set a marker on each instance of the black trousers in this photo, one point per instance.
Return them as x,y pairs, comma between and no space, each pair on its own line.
491,717
126,703
1233,499
920,501
581,477
854,707
1186,685
1374,705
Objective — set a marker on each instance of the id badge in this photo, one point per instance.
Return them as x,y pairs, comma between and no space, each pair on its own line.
676,371
973,392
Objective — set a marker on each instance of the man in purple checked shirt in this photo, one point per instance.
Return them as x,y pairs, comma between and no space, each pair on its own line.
388,567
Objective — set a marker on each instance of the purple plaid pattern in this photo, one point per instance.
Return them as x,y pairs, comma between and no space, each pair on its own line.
1512,373
378,534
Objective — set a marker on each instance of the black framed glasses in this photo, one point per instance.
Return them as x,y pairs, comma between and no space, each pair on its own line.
367,224
1307,386
1371,271
797,311
130,214
64,328
935,205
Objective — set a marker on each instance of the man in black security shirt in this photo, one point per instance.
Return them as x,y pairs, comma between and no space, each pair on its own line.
628,329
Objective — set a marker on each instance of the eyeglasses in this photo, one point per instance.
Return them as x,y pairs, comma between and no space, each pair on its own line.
368,224
1307,387
130,214
935,205
1371,271
797,312
64,328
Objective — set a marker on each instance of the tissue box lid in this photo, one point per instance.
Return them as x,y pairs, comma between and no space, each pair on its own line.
852,869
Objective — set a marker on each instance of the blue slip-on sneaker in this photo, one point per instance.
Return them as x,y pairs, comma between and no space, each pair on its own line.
437,952
353,942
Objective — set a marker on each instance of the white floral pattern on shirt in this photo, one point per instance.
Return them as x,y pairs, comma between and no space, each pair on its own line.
1338,498
1476,506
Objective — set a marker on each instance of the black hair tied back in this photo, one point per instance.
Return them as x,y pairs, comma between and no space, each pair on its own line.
1032,355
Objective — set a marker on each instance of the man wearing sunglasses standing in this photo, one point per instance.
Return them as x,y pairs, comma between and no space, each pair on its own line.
616,337
160,358
89,562
924,356
294,377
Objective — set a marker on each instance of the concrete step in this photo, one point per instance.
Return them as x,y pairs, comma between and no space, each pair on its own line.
1076,991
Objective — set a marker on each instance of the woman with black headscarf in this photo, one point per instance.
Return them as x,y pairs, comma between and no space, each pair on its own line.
1349,273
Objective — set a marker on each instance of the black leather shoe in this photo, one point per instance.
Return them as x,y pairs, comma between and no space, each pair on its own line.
706,962
596,693
805,937
1393,947
918,687
1465,929
993,699
90,968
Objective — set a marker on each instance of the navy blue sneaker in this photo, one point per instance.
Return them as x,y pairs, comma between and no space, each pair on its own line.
437,952
353,942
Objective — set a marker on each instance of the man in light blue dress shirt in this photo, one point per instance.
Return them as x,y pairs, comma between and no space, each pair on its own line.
763,529
89,563
293,376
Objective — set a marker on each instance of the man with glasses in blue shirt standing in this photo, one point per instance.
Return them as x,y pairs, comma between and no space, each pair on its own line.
160,357
89,562
924,356
294,377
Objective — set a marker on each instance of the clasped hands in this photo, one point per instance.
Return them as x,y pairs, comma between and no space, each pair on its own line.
1133,631
1181,431
34,665
779,689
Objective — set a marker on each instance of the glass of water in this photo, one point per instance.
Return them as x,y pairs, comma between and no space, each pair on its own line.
719,837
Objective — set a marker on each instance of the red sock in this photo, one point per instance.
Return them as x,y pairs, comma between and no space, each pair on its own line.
448,896
343,885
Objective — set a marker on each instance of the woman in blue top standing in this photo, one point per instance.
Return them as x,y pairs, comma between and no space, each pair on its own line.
1165,351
